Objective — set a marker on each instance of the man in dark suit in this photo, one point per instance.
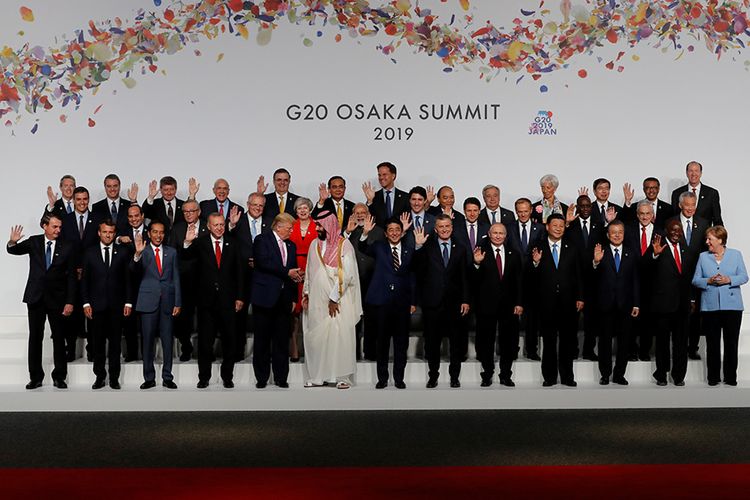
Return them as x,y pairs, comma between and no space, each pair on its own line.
604,210
184,324
112,206
662,210
492,211
221,203
107,299
168,208
244,229
159,301
555,278
332,200
281,200
440,265
220,297
472,231
523,235
708,203
497,303
63,205
49,294
617,300
274,291
389,296
671,265
367,327
446,199
389,201
418,215
694,238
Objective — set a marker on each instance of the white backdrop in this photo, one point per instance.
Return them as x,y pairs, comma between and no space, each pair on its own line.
207,119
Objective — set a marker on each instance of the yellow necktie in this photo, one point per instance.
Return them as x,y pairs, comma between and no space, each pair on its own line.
281,204
340,214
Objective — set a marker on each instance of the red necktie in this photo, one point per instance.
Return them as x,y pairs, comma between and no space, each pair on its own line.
499,262
644,243
221,209
218,254
677,260
158,261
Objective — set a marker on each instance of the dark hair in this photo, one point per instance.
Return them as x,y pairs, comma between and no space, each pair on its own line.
153,222
440,217
390,166
441,189
523,200
167,180
693,163
472,200
46,218
583,197
112,177
281,171
67,176
418,190
80,189
652,179
140,210
394,220
555,216
601,180
616,222
107,222
335,178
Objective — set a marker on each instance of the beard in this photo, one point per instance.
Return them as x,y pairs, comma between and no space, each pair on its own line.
322,235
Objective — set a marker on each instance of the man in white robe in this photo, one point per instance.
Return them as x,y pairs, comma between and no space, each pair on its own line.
332,307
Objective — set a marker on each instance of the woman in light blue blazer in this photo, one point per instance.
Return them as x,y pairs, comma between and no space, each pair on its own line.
719,274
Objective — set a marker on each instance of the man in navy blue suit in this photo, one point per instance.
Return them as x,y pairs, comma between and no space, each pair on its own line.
389,201
221,203
159,301
107,299
273,293
390,296
617,300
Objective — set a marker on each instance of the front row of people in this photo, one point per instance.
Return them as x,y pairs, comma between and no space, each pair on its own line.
412,266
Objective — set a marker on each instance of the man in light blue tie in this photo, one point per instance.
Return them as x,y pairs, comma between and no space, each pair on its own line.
65,204
389,201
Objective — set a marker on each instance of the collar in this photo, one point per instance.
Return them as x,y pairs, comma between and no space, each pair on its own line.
558,243
613,248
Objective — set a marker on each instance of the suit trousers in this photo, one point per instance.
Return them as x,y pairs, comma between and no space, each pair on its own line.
106,326
695,328
38,313
531,330
158,323
131,328
672,326
212,320
438,323
590,329
615,324
76,327
561,321
184,324
392,321
717,323
487,325
643,329
370,330
273,327
240,331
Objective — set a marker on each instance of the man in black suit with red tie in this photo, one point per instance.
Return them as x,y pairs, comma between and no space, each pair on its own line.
63,205
113,206
49,294
497,303
220,297
617,300
281,200
671,265
555,279
107,299
492,211
168,208
389,201
440,265
274,291
221,203
332,200
708,203
662,210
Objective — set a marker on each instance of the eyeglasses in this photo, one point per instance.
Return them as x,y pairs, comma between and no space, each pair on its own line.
188,211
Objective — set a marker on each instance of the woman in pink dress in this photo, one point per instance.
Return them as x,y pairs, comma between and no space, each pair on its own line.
303,234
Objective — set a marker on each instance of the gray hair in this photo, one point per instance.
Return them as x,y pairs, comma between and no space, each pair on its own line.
303,201
645,203
549,179
685,195
488,187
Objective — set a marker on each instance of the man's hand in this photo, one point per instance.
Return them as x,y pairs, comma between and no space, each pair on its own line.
140,244
295,275
518,310
305,302
124,240
419,237
628,192
176,311
598,253
133,193
635,312
579,305
570,215
406,220
583,190
464,309
478,255
126,311
16,233
333,308
323,193
88,312
536,255
67,310
369,192
238,304
657,245
412,309
610,214
351,224
193,188
234,215
191,235
51,196
261,185
368,226
153,189
430,195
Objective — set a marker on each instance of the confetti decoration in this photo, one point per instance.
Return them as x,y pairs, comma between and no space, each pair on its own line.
27,14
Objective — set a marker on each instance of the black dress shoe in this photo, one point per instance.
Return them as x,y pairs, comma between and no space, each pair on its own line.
114,384
633,358
455,383
604,381
202,384
681,383
644,357
620,381
733,383
98,384
590,356
507,382
260,385
70,357
169,384
34,384
185,357
713,383
548,383
533,357
148,384
381,384
60,384
432,383
89,358
661,383
283,385
228,384
400,384
486,382
694,355
569,383
294,360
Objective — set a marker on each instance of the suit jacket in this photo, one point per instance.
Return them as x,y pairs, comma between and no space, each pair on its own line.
330,206
724,297
103,210
59,209
596,214
698,236
157,211
107,287
458,217
536,234
597,234
400,205
550,285
271,208
536,216
494,294
613,289
663,212
365,261
210,206
218,285
158,291
69,232
461,233
506,216
55,286
709,206
129,233
271,282
428,223
389,286
645,279
437,285
188,264
671,290
244,238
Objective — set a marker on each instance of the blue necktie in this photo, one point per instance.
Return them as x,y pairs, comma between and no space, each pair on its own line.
70,207
524,239
48,255
617,260
253,229
114,211
494,221
688,231
445,255
555,255
418,223
388,208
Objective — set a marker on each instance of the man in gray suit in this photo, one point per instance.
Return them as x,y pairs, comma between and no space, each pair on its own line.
159,301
